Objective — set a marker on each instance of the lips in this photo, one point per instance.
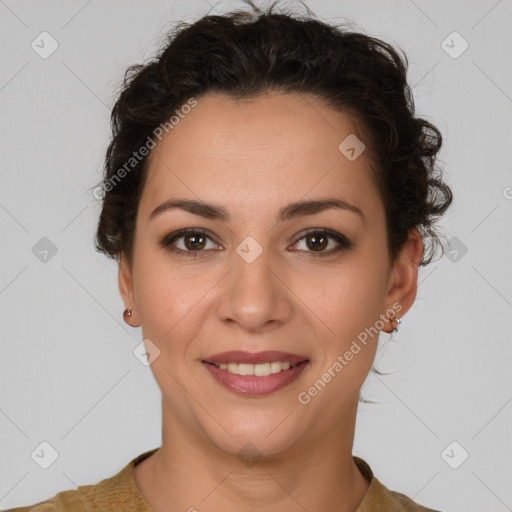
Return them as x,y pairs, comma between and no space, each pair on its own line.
247,379
252,385
239,356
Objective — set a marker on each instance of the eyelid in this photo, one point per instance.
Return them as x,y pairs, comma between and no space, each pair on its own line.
168,240
342,241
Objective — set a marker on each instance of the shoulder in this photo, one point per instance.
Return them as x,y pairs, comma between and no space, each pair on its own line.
80,499
63,501
408,505
117,493
381,499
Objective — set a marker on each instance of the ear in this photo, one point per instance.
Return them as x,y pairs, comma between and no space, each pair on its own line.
125,280
403,282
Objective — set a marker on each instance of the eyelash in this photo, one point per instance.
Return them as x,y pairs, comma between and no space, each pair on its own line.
167,241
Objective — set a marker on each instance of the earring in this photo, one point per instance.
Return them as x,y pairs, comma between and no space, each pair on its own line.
127,313
395,325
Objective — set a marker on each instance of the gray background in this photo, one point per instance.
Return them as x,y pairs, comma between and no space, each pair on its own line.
68,374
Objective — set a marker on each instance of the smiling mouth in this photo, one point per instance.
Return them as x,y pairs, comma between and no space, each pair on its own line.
256,380
259,369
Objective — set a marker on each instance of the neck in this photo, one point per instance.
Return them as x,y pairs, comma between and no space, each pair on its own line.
192,474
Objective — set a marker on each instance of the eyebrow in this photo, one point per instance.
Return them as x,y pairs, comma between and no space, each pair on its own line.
288,212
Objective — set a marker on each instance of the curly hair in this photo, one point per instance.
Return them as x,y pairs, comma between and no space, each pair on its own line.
246,53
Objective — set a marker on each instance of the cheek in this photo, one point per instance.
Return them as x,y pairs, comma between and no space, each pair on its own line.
170,300
346,298
345,308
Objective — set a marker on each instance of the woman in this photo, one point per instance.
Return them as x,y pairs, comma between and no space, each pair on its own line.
269,196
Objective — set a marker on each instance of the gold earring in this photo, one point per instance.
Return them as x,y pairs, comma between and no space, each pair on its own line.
127,313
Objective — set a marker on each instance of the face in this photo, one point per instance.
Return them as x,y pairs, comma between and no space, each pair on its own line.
310,281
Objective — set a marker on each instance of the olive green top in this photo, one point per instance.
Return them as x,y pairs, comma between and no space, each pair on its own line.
121,494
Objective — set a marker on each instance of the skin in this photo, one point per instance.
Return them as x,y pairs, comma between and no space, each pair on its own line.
253,157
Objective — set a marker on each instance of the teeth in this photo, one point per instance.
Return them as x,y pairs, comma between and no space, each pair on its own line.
260,370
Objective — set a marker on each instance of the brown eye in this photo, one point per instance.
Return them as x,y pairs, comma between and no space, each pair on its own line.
189,242
318,240
194,241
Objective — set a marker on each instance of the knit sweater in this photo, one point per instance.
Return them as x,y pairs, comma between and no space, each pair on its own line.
121,494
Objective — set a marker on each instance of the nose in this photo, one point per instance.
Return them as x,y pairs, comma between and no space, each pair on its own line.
255,295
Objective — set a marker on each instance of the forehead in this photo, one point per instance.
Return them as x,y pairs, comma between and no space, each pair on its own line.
270,149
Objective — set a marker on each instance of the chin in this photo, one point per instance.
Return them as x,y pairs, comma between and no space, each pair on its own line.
253,439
